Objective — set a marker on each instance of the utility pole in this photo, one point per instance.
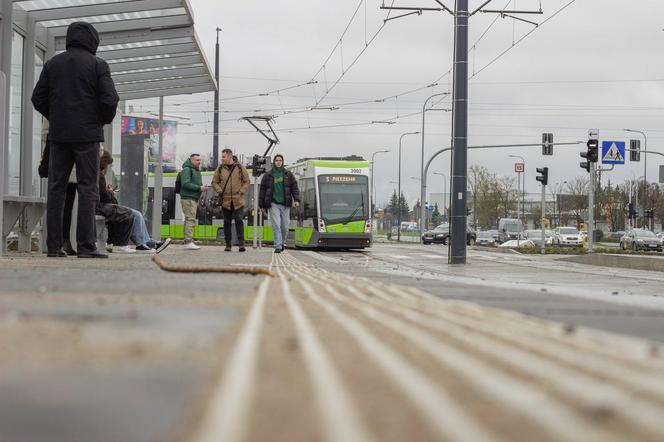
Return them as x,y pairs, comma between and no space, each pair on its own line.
459,203
459,178
215,137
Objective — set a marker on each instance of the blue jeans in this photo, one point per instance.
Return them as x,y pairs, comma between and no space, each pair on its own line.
280,219
139,231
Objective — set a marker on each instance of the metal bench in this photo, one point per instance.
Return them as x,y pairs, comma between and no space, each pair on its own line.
29,210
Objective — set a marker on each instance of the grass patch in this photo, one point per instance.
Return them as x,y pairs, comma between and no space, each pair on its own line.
582,251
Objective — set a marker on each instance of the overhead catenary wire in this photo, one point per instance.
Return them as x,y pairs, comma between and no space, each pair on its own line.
284,110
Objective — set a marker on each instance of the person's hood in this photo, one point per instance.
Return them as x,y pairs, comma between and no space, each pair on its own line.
82,35
188,163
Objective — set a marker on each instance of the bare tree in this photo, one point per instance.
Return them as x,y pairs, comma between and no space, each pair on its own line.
575,201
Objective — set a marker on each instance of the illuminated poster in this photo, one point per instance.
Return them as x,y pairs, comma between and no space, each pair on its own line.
148,128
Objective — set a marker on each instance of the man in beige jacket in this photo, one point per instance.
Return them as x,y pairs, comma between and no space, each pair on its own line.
231,182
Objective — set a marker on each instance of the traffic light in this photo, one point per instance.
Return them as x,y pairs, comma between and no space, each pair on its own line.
547,144
593,150
544,177
635,150
591,154
259,165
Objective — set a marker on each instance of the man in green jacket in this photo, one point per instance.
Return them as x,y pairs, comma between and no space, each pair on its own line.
191,187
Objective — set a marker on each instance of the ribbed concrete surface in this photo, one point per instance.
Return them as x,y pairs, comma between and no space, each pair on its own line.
327,356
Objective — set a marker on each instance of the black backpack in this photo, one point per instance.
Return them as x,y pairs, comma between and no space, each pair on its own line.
178,183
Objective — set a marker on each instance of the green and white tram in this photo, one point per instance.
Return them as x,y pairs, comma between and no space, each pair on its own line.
335,210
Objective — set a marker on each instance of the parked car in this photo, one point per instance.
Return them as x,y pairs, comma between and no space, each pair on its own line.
509,228
471,237
660,235
444,230
536,237
567,236
614,236
640,239
437,235
486,238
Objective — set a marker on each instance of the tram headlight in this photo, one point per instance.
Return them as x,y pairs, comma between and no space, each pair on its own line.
321,226
367,227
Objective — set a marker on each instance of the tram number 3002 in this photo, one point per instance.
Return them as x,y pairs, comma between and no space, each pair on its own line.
356,171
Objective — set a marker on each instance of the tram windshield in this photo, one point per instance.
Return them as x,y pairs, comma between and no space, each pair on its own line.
343,198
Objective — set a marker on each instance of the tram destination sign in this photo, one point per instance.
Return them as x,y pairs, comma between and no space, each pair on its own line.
341,179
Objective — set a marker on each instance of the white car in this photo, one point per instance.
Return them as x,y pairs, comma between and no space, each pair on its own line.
567,236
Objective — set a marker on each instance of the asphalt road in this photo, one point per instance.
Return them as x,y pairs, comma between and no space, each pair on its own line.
617,300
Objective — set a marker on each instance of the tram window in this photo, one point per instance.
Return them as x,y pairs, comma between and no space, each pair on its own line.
344,198
308,192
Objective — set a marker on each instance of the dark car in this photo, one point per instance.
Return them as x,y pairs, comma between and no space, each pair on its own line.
442,236
437,235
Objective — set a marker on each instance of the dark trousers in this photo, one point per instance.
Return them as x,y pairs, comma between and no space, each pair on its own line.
229,217
63,156
70,196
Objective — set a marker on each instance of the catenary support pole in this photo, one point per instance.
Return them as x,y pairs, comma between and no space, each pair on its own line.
457,249
158,178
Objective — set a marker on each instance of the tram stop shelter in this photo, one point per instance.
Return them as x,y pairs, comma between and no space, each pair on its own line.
151,48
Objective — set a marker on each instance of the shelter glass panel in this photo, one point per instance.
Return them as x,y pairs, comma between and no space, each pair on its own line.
15,109
37,128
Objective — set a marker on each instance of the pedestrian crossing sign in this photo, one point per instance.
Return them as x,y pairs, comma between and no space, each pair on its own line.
613,152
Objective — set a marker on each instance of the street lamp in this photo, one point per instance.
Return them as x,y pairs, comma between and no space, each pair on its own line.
215,137
373,191
645,169
399,190
444,191
522,182
423,190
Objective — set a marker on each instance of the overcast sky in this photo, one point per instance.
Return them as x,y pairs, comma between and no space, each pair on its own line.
595,65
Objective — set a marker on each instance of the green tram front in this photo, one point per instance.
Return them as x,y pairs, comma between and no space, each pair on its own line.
335,210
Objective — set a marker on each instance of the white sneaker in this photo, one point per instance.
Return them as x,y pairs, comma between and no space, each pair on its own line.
191,246
109,248
123,249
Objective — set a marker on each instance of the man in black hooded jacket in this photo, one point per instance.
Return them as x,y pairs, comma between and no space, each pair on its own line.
76,94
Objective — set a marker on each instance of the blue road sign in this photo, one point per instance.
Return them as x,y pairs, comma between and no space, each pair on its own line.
613,152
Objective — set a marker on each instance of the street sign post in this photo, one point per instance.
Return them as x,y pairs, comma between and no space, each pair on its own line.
519,167
613,152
